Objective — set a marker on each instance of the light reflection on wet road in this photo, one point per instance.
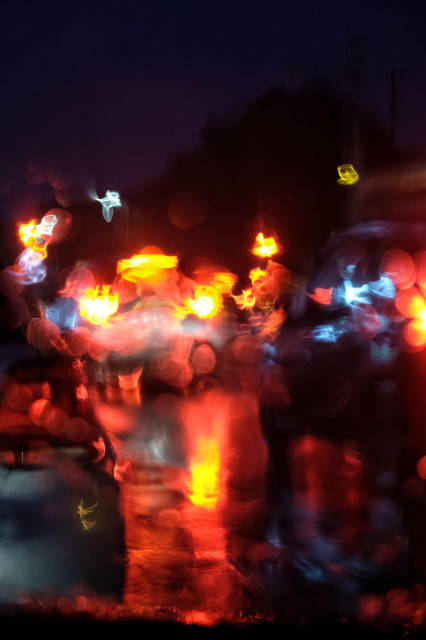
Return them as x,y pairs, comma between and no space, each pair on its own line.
234,561
322,545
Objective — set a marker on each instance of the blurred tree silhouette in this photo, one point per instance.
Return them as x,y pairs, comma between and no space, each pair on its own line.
274,167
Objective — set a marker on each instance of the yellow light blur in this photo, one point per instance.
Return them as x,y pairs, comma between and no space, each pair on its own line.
145,266
257,274
415,333
264,247
206,302
410,303
204,483
347,174
26,233
83,512
97,305
29,234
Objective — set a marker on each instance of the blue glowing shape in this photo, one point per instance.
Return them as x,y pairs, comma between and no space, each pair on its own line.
383,288
52,314
111,200
270,352
310,569
384,352
328,332
72,320
32,265
63,312
355,295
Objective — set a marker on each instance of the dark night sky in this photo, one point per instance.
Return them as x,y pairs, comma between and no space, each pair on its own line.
109,91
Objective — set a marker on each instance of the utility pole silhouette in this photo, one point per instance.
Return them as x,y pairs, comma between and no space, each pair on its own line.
357,66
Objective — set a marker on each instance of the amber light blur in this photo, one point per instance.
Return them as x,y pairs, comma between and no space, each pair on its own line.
246,299
224,282
264,247
267,284
28,234
146,266
411,304
415,332
408,274
99,304
206,420
206,303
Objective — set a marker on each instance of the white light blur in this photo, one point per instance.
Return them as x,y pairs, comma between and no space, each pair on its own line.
355,295
109,201
46,225
63,313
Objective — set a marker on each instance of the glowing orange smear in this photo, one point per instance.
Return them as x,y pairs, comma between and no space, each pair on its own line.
145,266
130,381
245,299
273,323
410,303
98,306
323,296
415,332
264,247
100,447
205,474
